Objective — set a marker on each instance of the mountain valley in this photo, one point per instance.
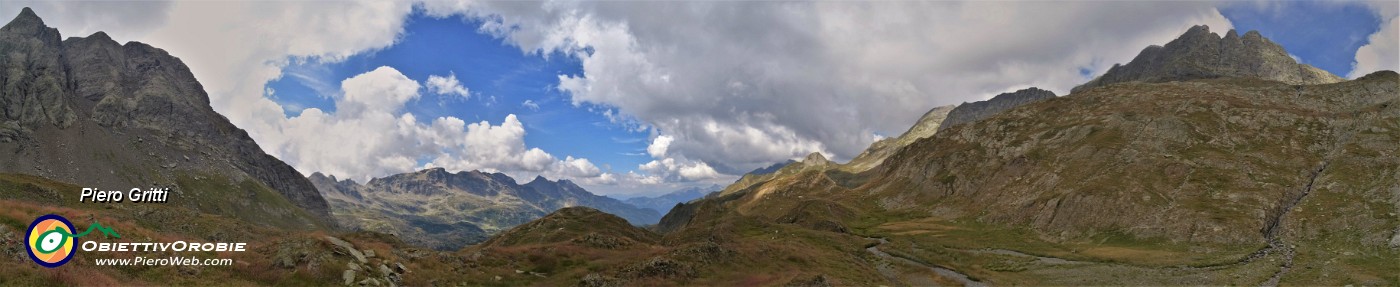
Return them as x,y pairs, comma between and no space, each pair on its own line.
1210,160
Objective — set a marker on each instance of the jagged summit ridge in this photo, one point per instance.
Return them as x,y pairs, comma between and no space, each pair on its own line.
971,112
1201,54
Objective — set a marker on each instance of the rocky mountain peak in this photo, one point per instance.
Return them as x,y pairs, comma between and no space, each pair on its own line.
28,29
1023,94
971,112
1201,54
815,158
1252,34
1232,35
137,107
26,21
1196,31
101,36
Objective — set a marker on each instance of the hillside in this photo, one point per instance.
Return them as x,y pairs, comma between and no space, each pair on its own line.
96,113
1223,180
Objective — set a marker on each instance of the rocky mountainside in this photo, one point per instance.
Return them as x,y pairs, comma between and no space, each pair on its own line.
1201,54
971,112
90,111
877,152
1233,179
1234,166
663,203
446,211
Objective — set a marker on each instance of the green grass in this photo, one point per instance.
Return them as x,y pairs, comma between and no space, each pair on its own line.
244,199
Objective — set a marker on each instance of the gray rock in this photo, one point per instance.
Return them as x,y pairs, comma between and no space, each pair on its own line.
975,111
124,93
368,253
1395,240
1200,54
348,248
348,276
385,270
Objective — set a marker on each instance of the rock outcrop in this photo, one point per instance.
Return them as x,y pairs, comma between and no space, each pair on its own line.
364,268
1201,54
446,211
115,116
975,111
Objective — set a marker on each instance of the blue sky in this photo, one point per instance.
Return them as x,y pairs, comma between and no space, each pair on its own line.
1323,34
500,77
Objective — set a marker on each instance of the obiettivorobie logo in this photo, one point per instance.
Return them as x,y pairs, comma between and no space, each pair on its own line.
50,240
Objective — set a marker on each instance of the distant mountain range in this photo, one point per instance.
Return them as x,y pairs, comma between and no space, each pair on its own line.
446,211
663,203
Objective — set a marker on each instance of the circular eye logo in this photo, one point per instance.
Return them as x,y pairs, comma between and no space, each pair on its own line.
50,240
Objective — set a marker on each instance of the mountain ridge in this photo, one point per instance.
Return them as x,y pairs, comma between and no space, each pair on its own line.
663,203
1226,179
1201,54
117,116
447,211
975,111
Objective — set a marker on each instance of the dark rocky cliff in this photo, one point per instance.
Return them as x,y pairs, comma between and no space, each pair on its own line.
91,111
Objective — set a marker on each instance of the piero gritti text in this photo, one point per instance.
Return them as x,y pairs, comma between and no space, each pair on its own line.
154,194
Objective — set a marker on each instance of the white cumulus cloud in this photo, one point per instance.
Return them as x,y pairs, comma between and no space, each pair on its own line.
371,135
731,85
740,85
447,85
1382,51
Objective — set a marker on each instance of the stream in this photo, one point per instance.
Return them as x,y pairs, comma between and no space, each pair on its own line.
945,272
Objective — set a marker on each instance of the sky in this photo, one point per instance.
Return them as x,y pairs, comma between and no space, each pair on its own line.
632,98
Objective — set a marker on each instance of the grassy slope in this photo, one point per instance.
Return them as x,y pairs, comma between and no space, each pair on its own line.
276,256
